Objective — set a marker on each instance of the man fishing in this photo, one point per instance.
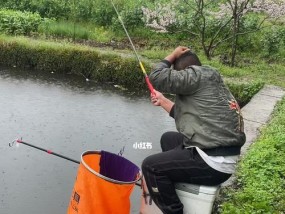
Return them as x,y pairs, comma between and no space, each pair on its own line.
210,129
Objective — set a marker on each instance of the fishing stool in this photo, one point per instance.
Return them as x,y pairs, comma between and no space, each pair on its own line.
197,199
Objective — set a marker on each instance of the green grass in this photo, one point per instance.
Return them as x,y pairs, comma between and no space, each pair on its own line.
261,173
69,29
155,53
90,31
26,41
257,70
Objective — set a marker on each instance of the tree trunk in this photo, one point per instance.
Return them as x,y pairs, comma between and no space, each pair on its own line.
234,48
235,31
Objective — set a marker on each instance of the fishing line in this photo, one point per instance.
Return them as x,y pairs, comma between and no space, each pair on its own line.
86,78
150,87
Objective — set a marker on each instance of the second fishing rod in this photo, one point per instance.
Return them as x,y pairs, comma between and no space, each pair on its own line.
20,141
149,85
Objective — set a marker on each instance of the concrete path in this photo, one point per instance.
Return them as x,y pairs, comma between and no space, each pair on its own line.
257,113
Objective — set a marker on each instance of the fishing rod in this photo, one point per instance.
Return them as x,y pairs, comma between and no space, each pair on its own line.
19,141
44,150
150,87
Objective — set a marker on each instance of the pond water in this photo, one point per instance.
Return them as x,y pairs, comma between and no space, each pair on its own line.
68,116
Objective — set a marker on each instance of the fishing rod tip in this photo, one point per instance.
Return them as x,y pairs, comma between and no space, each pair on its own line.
19,140
15,141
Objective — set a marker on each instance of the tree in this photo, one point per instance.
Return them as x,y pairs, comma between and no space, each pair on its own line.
214,22
240,9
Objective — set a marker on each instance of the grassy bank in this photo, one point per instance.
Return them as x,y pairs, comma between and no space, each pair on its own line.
71,30
103,66
68,58
260,183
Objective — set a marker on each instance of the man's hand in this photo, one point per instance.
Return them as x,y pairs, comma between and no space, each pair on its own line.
176,53
158,99
179,51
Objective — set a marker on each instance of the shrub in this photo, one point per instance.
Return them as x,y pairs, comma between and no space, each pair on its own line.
46,8
16,22
132,19
274,41
75,59
243,92
103,14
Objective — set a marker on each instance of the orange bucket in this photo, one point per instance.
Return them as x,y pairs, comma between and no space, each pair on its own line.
103,184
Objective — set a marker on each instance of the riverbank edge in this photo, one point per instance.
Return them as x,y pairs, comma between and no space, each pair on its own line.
68,58
102,66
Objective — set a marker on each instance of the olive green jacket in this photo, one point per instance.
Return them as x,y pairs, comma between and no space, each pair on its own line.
205,111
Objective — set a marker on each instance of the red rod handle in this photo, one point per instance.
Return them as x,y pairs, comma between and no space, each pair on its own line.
149,85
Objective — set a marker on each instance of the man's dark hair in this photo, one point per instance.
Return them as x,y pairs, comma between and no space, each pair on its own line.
185,60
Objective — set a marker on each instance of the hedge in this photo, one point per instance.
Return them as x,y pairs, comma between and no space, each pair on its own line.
244,91
19,23
72,59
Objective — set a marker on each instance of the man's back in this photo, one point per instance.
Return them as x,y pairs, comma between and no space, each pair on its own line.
209,116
